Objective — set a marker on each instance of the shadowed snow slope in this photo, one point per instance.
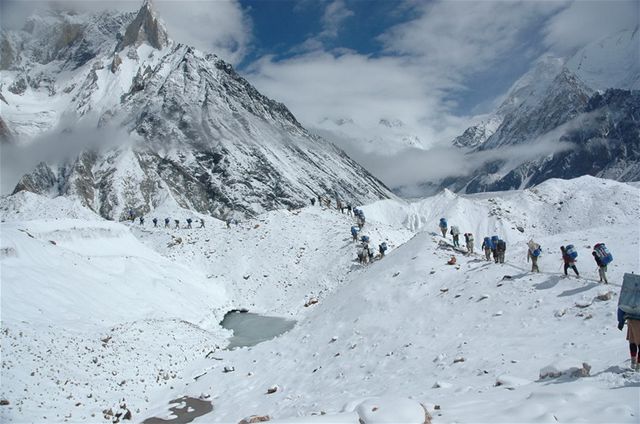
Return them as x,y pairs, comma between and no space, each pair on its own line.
405,327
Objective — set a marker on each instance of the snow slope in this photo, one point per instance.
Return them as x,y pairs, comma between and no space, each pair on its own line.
383,338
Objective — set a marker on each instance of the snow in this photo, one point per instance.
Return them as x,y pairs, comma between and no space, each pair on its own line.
119,313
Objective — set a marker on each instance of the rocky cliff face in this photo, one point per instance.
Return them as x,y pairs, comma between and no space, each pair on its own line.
604,142
183,128
556,102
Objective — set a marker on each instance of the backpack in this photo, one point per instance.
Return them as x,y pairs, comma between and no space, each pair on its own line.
571,251
487,242
383,246
494,241
354,230
603,254
629,300
470,238
364,239
502,246
443,223
537,251
455,230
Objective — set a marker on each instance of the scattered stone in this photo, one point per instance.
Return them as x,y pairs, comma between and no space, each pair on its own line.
52,242
228,369
559,313
585,303
246,277
333,339
4,402
105,339
272,390
310,302
442,385
582,372
519,228
458,359
507,277
436,407
444,290
255,419
396,274
604,296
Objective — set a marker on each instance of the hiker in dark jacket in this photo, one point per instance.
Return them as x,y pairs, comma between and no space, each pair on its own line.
569,262
633,335
201,222
486,246
166,222
501,248
189,221
155,222
313,201
602,268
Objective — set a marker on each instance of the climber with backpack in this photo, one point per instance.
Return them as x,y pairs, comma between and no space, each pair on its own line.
166,222
569,256
189,221
443,227
603,258
501,248
155,222
487,246
455,232
629,312
468,238
494,248
354,232
382,248
533,253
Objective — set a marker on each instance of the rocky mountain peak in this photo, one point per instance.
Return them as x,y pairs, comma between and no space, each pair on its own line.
145,28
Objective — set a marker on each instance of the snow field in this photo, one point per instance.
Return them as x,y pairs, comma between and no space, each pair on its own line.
403,331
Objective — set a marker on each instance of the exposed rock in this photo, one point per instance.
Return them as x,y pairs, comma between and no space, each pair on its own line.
115,64
255,419
144,28
272,389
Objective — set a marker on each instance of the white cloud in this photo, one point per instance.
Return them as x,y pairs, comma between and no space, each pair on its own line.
334,16
461,38
582,22
214,26
319,85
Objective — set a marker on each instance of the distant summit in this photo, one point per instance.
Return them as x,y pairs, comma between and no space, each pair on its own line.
179,127
145,28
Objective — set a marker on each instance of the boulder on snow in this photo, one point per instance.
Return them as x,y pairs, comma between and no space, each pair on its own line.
554,371
604,296
271,390
255,419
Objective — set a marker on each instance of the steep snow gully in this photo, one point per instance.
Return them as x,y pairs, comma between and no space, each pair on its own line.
106,321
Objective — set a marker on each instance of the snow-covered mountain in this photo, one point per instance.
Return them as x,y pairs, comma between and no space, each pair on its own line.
181,126
561,119
100,318
611,62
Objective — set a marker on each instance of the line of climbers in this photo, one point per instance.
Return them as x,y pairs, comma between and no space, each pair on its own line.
340,205
365,252
496,247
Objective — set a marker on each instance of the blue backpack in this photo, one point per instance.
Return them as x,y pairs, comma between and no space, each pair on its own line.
364,239
603,253
494,241
487,243
629,300
571,251
354,230
443,223
537,252
383,246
